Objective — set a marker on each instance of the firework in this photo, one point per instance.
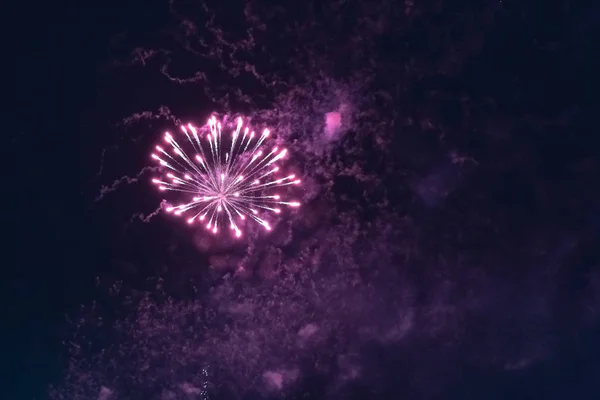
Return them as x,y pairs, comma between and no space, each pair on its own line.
229,178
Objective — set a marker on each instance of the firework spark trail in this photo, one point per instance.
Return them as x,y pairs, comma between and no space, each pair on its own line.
101,168
226,182
148,217
163,112
104,190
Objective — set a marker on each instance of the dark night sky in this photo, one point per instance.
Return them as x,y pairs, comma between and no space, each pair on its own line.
449,231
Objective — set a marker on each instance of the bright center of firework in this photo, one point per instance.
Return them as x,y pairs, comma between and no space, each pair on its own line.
227,179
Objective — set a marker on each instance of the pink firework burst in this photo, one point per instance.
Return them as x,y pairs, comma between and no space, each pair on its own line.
228,179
